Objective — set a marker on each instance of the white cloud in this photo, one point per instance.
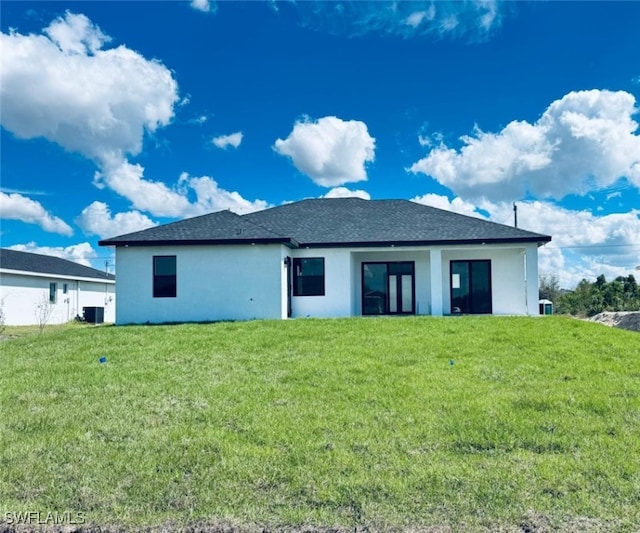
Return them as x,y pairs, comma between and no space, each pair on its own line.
473,21
203,5
76,34
430,140
18,207
417,17
583,245
210,197
95,102
583,141
343,192
224,141
96,219
450,23
490,16
612,195
457,205
78,253
64,87
160,200
155,197
331,151
615,234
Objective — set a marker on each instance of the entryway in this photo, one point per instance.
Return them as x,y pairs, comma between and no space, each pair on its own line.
388,288
471,287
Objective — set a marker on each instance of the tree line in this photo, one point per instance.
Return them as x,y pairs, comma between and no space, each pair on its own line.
591,298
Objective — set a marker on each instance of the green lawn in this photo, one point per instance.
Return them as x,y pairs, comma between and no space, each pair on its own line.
466,423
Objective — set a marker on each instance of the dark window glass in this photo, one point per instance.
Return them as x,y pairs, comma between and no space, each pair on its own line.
53,292
308,276
471,286
164,276
65,288
374,288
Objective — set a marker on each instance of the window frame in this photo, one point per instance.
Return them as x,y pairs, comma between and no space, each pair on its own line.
299,288
158,290
53,292
475,304
392,268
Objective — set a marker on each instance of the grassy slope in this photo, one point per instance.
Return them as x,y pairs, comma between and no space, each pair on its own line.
378,422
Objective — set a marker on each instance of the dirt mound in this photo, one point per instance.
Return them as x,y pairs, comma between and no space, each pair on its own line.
620,319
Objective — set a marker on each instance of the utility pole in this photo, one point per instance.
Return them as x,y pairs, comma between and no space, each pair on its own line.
515,215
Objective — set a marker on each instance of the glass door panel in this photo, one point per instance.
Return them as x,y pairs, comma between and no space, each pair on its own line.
374,288
471,287
407,293
393,293
388,288
481,277
460,287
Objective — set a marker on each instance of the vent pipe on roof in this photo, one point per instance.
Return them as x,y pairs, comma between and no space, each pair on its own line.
515,215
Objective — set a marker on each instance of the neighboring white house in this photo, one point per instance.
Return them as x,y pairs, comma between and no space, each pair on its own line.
326,258
28,280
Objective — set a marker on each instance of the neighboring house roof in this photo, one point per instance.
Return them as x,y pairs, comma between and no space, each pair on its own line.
45,264
333,222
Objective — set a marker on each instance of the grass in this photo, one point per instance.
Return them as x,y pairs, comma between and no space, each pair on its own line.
462,423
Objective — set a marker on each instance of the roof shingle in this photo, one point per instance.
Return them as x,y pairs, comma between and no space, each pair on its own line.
45,264
334,222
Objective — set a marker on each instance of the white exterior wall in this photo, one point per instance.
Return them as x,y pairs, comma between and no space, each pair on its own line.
213,283
421,273
241,282
338,292
21,293
531,274
511,292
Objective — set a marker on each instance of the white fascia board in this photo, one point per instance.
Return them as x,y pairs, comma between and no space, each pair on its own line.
56,276
423,248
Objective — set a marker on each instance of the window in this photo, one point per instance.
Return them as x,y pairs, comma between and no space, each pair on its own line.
164,276
65,288
53,292
471,286
308,276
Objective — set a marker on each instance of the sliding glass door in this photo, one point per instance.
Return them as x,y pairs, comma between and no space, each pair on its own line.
388,288
471,287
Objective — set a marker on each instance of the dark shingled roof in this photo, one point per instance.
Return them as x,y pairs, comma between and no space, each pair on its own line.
222,227
334,222
45,264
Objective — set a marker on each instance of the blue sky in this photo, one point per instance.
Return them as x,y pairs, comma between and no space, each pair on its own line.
120,115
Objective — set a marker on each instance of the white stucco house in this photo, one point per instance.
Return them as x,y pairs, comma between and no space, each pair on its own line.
28,279
325,258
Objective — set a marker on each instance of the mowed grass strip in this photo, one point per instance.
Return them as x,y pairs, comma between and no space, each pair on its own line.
386,423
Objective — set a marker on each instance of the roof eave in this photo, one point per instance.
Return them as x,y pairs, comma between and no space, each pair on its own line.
291,243
539,239
55,275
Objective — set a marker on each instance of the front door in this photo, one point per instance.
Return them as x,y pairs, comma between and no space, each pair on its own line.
388,288
471,287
